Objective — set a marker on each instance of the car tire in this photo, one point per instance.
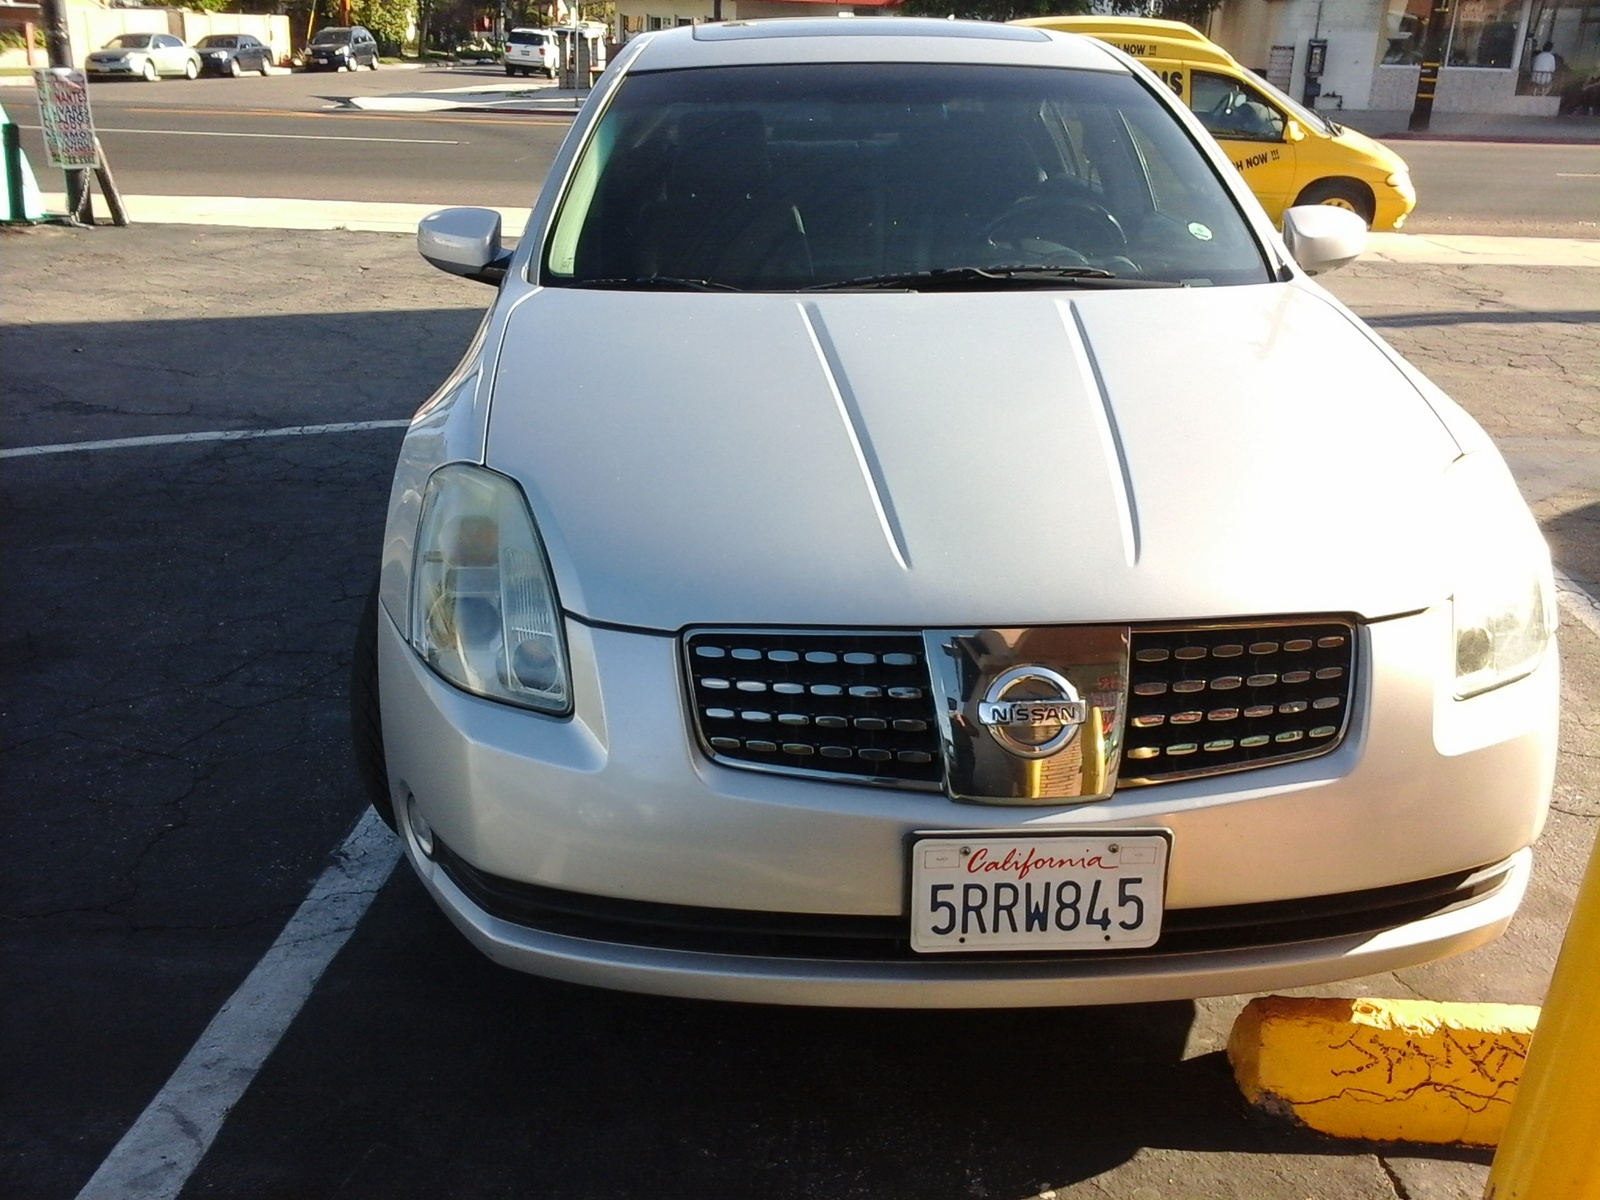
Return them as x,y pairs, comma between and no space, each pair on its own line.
366,721
266,64
191,69
511,71
1349,194
374,63
149,72
234,68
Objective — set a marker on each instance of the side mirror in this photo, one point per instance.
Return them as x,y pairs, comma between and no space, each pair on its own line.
1322,238
465,242
1293,131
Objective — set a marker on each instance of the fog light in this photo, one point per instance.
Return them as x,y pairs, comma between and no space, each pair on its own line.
421,831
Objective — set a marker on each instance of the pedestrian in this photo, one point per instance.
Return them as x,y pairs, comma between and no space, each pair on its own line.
1544,69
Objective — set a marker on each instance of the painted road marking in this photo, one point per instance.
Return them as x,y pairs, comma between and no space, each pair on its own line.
157,1155
291,137
1576,175
217,435
1578,602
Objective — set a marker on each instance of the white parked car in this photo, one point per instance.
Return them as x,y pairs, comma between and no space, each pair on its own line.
147,56
914,535
530,50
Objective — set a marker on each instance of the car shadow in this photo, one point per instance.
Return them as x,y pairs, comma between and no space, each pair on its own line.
417,1057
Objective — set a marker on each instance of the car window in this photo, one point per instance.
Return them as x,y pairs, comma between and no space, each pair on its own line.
521,37
129,41
331,37
778,178
1231,109
166,42
218,42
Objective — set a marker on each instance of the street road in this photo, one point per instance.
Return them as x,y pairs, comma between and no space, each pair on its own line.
291,135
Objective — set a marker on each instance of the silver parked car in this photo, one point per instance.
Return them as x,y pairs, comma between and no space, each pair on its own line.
147,56
910,533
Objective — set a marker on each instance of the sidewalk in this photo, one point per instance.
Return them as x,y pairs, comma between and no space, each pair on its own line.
373,217
1469,127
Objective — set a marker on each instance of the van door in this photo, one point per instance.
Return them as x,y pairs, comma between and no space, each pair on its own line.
1252,131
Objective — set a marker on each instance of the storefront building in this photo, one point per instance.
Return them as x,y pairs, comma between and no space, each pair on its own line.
1366,54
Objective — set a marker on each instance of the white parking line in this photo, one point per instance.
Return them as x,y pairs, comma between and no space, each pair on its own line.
290,137
157,1155
1578,602
217,435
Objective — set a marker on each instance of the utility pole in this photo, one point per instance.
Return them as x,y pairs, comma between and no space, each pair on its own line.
1433,38
59,42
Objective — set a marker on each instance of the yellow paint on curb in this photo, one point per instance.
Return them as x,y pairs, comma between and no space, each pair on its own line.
1384,1070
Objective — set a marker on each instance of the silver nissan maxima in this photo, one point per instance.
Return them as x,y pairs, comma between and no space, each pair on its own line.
909,532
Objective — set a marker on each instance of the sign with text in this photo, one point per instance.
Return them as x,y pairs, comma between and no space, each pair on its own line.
64,116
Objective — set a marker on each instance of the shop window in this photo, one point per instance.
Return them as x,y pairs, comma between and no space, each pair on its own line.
1481,33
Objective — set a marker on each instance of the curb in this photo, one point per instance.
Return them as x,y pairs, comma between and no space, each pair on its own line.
1384,1070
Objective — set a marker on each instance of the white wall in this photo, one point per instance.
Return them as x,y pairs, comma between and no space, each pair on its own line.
1248,29
90,26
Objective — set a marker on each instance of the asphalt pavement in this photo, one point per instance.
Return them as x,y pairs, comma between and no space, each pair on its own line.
174,773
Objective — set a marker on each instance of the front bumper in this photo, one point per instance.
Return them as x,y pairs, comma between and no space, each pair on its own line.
1392,204
618,803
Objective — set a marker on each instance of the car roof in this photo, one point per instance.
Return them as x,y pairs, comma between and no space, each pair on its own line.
837,39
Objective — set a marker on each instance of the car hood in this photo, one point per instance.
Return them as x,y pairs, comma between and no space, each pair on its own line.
1382,158
971,459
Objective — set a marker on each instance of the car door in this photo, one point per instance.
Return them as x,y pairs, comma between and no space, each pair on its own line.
1253,132
171,54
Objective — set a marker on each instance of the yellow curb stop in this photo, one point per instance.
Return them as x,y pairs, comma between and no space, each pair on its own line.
1384,1070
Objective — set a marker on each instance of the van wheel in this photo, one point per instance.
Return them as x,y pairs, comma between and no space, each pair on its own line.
366,723
512,71
1348,194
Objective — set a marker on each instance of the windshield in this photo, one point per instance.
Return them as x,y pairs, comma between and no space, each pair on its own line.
778,178
217,42
331,37
130,41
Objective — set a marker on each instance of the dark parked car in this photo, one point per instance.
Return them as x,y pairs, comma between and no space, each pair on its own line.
233,54
341,48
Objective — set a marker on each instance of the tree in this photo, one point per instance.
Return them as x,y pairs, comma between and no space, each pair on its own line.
389,20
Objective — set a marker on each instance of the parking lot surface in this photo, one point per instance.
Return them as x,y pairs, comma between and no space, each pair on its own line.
176,774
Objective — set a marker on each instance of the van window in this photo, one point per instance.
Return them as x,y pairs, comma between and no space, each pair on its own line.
526,37
1230,109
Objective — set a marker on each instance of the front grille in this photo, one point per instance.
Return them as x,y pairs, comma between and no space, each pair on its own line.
843,705
886,939
1226,698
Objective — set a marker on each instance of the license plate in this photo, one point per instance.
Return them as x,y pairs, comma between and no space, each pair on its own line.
1077,891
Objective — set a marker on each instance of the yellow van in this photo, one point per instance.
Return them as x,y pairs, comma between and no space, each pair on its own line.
1286,153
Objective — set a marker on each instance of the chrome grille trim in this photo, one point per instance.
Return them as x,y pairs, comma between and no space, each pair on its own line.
1288,696
856,706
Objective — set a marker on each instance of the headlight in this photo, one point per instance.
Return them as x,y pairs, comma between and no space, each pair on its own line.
1504,602
483,604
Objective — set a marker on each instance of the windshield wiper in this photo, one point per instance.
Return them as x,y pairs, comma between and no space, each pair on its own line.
955,279
656,283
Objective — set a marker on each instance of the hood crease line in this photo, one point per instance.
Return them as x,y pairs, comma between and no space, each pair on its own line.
1111,436
860,441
